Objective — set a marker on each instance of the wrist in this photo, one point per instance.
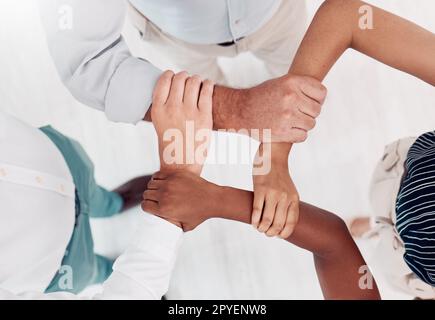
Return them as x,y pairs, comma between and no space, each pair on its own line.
215,204
276,153
173,168
228,104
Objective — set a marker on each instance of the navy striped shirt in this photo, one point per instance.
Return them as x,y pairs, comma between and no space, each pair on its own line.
415,208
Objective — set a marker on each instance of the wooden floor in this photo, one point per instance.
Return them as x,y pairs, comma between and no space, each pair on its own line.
369,105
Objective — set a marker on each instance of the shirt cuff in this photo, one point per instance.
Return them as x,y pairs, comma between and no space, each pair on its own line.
158,236
130,91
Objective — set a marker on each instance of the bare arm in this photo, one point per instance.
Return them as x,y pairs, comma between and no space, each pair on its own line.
394,41
337,27
187,198
336,256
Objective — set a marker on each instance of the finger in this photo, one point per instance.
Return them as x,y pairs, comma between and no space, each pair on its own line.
298,135
162,89
177,90
160,175
150,206
279,220
191,94
292,220
304,122
152,195
154,184
314,89
206,98
310,107
268,213
257,208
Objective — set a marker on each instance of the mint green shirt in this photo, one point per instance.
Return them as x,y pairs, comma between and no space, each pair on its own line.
81,266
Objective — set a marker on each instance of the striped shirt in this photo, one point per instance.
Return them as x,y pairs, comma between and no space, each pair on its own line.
415,208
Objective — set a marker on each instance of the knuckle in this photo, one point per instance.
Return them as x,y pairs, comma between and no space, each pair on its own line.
167,74
283,196
267,221
286,234
196,78
194,81
181,75
291,95
303,137
288,112
208,82
279,230
257,209
290,225
324,90
261,188
317,109
143,205
286,116
274,193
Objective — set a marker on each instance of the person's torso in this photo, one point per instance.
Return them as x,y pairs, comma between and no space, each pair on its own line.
208,21
37,207
388,255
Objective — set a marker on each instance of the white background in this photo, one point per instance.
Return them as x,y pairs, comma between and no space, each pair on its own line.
369,105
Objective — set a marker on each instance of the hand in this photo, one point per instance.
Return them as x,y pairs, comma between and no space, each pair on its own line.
182,116
181,197
288,105
276,200
131,191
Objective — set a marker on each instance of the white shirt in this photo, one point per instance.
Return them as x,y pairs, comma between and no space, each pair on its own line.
94,62
208,21
37,215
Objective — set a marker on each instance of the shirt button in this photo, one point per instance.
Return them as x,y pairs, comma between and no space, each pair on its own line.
39,180
2,172
237,21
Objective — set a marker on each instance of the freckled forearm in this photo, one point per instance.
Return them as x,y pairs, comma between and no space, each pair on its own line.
227,104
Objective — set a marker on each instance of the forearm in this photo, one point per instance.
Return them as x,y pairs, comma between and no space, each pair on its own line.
226,108
336,256
336,27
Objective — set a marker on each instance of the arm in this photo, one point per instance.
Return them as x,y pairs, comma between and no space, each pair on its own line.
282,106
142,272
336,256
335,28
93,60
394,41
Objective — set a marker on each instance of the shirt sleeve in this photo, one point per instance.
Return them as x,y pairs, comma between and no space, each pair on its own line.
141,273
93,59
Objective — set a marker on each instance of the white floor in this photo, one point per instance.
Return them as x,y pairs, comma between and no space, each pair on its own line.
369,105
